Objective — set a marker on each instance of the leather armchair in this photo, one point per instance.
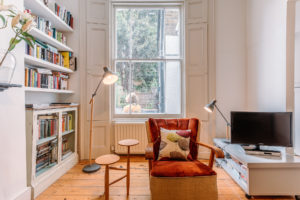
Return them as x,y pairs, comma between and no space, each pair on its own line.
190,179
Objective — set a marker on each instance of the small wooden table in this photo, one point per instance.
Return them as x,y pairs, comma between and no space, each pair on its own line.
108,160
128,143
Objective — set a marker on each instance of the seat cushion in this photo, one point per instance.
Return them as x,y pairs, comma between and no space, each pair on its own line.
180,169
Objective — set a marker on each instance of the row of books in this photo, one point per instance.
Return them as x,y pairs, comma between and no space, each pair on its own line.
46,27
65,147
48,126
61,12
46,155
45,52
44,78
67,122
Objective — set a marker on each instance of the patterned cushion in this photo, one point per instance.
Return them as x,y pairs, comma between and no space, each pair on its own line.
192,124
174,144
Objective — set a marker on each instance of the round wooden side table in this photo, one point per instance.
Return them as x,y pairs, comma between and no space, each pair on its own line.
108,160
128,143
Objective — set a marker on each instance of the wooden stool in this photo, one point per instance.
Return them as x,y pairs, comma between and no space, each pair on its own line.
128,143
108,160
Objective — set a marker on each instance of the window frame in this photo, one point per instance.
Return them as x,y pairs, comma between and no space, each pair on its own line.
113,37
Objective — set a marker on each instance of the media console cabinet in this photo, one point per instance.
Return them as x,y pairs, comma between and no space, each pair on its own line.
261,176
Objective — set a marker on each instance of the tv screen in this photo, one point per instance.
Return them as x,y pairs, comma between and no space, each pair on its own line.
267,128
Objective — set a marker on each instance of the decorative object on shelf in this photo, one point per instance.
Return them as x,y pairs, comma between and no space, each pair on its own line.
108,78
21,23
210,108
7,66
5,86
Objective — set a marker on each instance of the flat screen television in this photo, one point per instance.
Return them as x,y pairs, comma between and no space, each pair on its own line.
262,128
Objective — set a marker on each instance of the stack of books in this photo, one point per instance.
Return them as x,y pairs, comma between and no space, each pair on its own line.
67,122
48,126
45,52
66,151
61,12
43,78
46,155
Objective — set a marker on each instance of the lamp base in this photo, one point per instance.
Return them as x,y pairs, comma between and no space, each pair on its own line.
91,168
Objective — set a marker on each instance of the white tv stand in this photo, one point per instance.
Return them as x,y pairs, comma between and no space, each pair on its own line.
261,176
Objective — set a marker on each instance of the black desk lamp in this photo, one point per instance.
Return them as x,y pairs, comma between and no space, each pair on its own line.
210,108
108,78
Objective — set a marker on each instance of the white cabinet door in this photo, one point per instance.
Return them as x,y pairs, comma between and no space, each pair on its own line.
297,121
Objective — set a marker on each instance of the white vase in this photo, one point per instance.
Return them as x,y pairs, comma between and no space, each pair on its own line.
7,68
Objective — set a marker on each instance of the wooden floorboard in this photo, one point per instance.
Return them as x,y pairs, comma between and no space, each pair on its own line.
76,185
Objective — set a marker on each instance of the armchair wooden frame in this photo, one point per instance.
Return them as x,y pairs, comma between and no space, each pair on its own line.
214,151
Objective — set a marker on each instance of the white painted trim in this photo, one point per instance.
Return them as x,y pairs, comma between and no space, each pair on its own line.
82,71
211,65
24,195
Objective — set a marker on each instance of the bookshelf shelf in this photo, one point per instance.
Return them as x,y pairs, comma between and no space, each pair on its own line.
49,40
66,155
45,169
37,7
33,89
44,140
44,64
67,132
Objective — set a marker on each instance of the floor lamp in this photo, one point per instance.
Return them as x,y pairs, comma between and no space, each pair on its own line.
108,78
210,108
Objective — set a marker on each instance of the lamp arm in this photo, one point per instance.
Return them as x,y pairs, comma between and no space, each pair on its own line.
96,90
228,124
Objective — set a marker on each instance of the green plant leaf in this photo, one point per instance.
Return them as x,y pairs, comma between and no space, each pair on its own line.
13,42
11,11
27,35
28,41
3,20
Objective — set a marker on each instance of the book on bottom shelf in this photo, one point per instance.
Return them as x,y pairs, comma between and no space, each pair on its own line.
46,155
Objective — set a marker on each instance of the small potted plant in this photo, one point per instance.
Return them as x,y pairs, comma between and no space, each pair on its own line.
20,23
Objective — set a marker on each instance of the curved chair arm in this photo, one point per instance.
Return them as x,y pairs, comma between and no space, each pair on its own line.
214,151
149,155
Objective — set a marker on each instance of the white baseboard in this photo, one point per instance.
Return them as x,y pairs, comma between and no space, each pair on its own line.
24,195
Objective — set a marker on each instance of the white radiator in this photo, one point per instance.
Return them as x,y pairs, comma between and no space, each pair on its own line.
131,131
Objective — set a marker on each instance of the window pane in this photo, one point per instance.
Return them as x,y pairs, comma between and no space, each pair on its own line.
122,88
146,87
173,88
138,33
172,33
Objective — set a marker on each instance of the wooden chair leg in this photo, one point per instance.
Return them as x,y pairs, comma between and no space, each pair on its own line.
150,166
128,171
106,182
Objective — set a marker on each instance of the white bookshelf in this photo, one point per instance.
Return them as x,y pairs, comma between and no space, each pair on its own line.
41,179
30,60
37,7
33,89
36,33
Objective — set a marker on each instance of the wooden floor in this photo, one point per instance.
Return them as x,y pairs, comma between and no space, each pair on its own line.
76,185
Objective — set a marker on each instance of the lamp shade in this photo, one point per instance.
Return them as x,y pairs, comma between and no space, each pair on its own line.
109,77
210,106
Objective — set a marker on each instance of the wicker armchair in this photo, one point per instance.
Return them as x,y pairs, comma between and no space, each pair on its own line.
180,180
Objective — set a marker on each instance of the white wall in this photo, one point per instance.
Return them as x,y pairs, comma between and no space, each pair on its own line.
266,55
230,34
12,131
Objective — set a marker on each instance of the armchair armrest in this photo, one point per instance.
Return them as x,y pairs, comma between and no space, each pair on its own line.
149,155
214,151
